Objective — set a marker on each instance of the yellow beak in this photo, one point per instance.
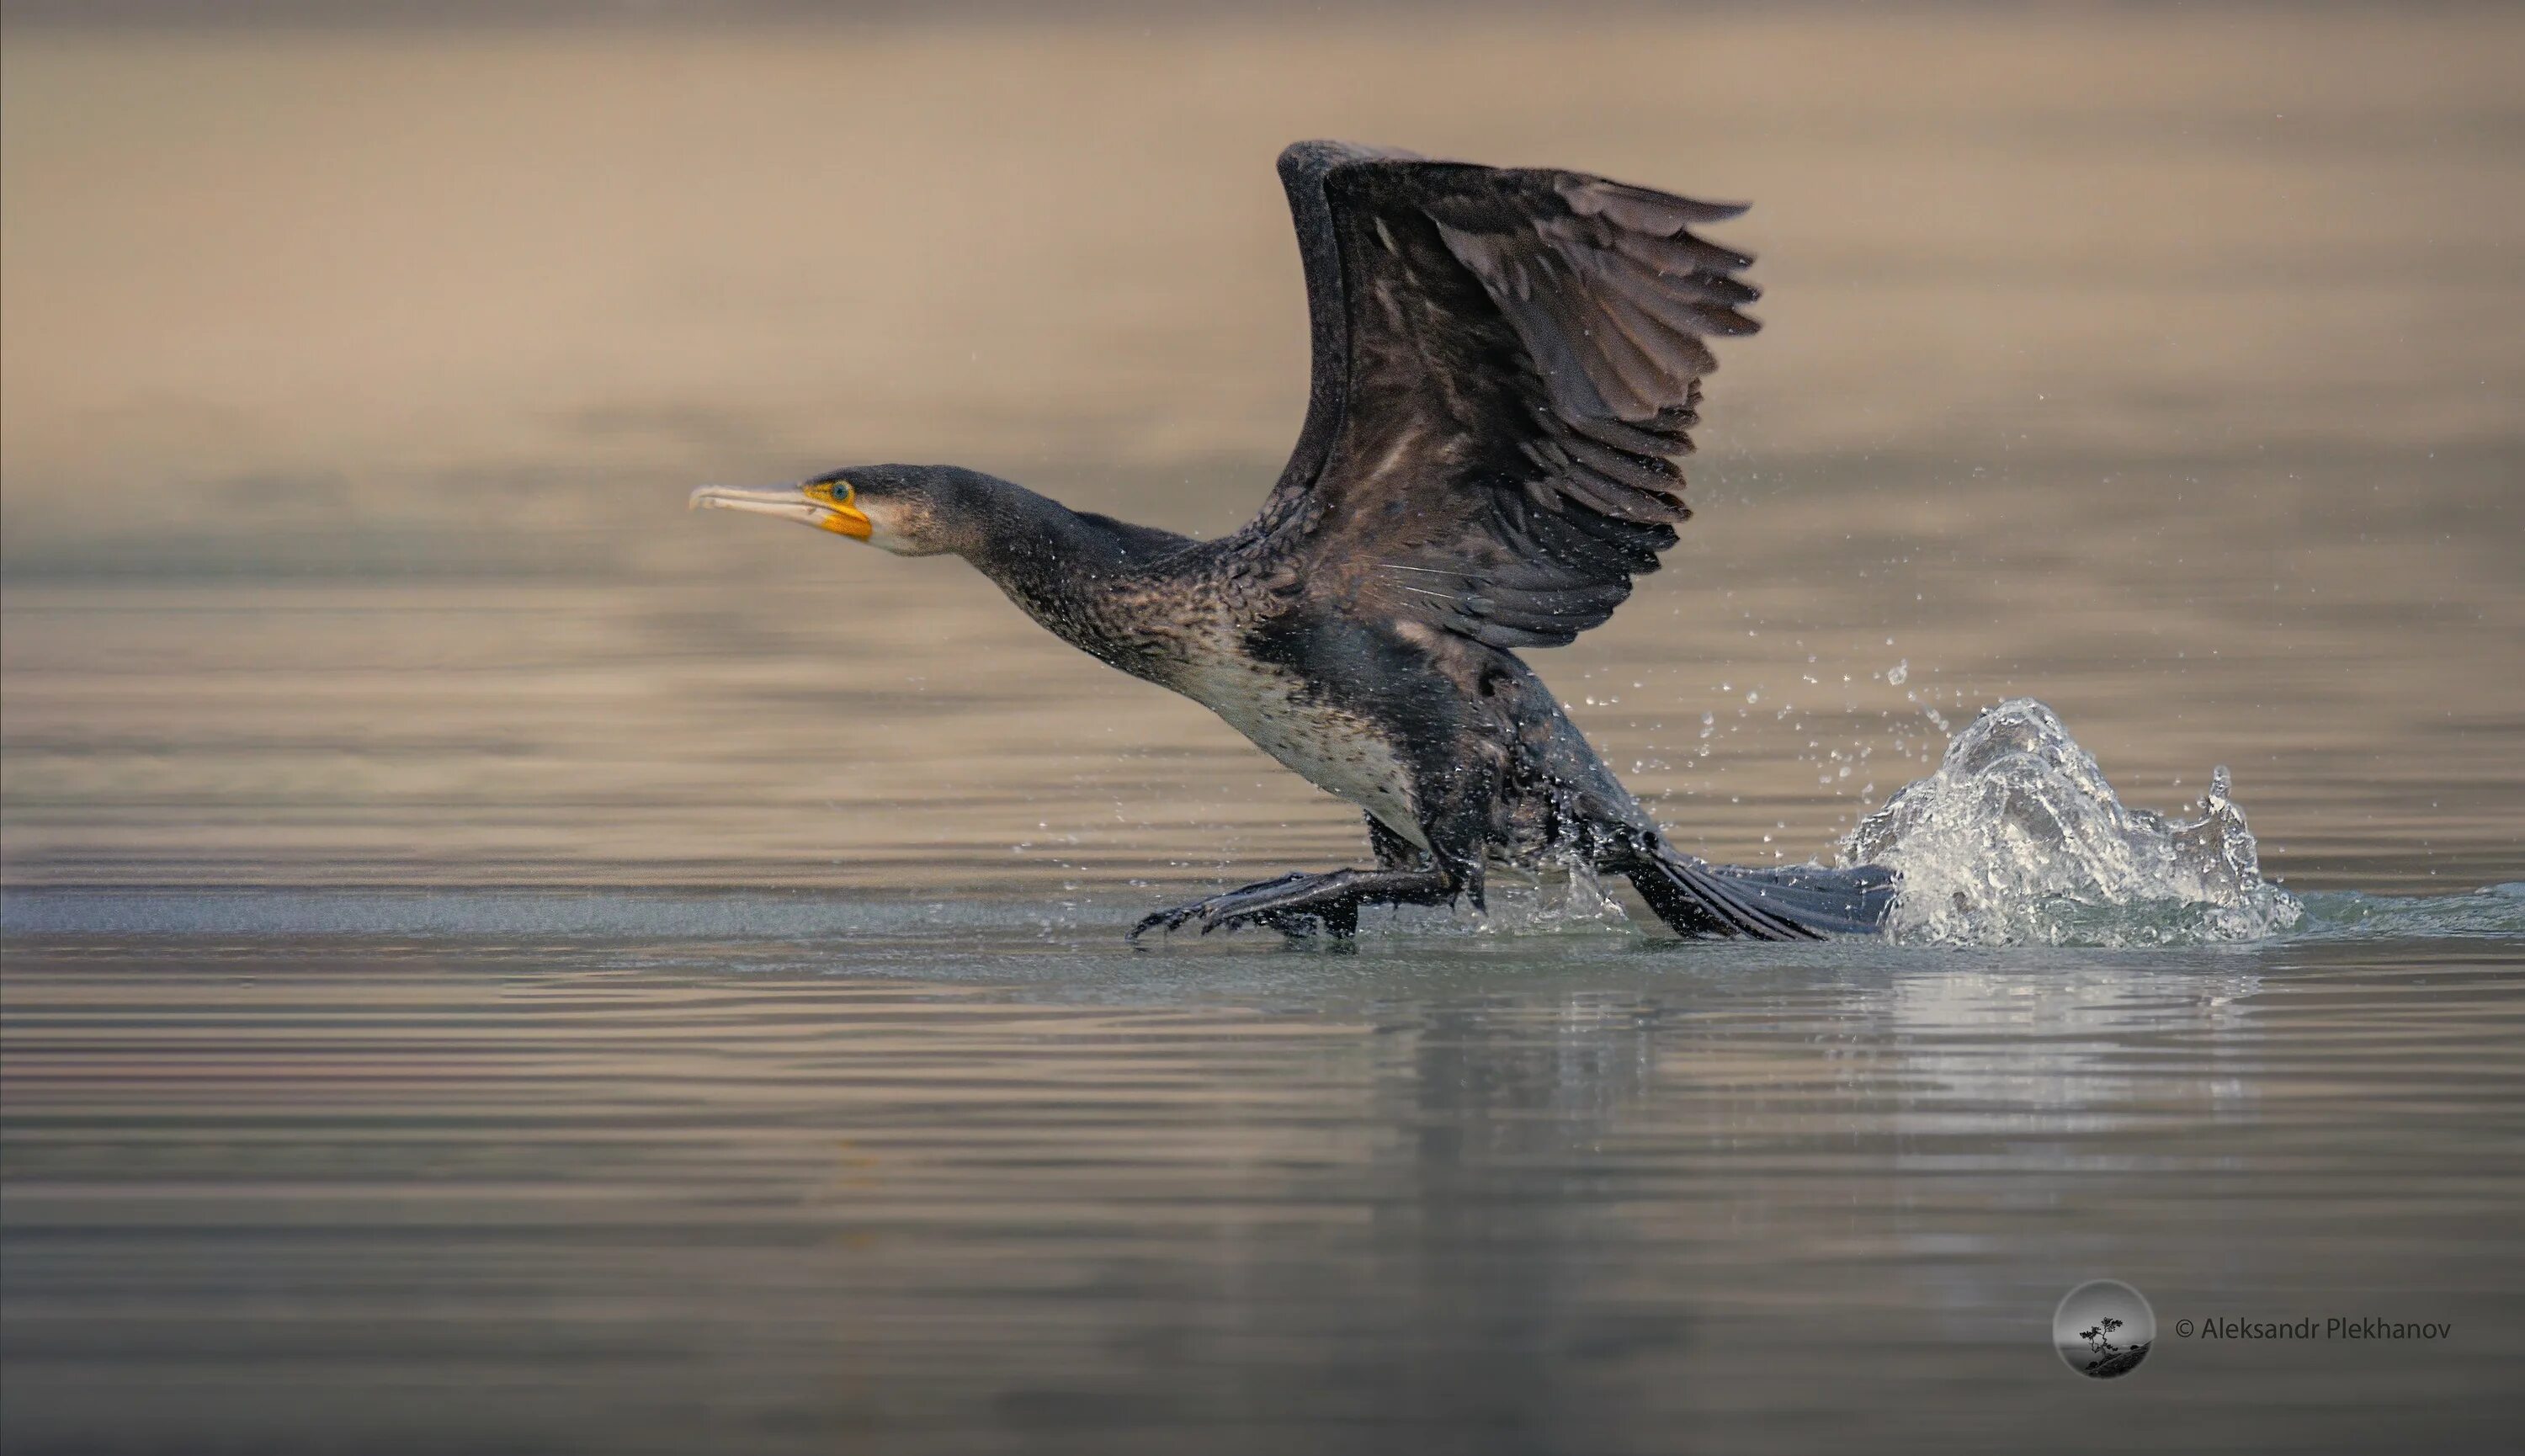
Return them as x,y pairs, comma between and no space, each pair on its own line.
807,505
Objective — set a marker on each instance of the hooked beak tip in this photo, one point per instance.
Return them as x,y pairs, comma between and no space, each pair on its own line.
733,497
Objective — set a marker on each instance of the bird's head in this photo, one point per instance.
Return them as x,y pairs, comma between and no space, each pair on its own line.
909,510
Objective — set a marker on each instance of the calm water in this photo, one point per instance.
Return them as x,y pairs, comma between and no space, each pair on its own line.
493,963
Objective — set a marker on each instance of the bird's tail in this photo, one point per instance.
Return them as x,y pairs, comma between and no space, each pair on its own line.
1803,902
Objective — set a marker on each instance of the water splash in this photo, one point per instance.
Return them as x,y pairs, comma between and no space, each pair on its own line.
2018,839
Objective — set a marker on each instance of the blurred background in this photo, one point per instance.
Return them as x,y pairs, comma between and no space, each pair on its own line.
2161,361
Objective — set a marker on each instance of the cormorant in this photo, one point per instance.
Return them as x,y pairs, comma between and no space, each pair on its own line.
1506,361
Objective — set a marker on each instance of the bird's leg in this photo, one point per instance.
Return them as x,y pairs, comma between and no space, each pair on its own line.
1340,922
1332,899
1337,917
1175,919
1392,850
1455,793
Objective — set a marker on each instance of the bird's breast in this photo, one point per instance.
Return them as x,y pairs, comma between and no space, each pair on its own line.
1338,750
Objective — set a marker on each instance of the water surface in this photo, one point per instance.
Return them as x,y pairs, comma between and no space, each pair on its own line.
946,1180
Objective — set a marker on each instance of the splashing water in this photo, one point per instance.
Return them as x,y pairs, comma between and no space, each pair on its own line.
2017,839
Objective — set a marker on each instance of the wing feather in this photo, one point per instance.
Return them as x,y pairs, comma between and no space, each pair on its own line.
1506,363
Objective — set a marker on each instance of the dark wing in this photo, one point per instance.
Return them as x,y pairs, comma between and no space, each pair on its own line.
1506,359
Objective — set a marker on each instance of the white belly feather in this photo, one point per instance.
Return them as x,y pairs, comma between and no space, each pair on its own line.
1335,750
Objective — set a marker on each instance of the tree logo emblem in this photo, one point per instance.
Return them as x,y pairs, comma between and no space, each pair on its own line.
2104,1329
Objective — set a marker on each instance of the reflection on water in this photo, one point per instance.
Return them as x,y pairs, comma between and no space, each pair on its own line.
495,964
973,1188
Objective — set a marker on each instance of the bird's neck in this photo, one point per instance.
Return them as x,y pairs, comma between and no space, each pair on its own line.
1079,574
1034,545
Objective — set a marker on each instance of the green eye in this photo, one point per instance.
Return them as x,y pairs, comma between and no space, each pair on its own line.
840,492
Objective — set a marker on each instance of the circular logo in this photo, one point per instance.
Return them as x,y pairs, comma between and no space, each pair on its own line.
2104,1329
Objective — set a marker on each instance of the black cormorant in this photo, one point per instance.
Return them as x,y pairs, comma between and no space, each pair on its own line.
1506,363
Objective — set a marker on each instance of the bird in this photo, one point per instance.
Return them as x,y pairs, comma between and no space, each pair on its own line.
1506,363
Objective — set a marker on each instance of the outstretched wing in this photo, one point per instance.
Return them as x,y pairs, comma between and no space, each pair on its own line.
1506,363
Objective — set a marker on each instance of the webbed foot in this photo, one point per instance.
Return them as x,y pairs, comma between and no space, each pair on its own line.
1281,904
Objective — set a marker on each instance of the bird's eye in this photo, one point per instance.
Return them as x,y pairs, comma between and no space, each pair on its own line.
840,492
